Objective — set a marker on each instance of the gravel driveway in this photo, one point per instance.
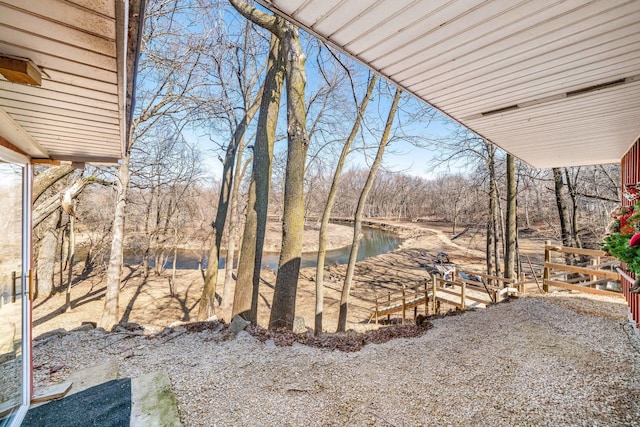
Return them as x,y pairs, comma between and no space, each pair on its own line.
562,359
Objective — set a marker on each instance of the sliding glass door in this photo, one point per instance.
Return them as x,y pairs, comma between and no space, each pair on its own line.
15,237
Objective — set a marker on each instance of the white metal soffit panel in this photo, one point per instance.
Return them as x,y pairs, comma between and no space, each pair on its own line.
78,112
556,83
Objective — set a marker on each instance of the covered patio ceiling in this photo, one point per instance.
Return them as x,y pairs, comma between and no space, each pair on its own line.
79,57
555,83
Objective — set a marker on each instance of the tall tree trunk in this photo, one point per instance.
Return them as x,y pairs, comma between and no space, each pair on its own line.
70,257
563,211
174,263
283,308
575,208
234,225
47,256
207,301
489,245
527,221
357,227
326,214
114,271
512,190
148,236
245,299
493,210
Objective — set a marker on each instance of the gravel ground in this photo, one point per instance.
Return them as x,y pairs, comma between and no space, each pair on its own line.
553,360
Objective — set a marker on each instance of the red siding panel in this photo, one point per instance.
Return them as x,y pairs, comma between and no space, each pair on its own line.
631,175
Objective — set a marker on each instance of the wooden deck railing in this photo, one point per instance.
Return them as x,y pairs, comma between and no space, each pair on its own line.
495,286
585,277
458,292
401,302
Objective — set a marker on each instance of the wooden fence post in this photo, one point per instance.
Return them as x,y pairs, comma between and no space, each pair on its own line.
434,278
426,299
463,292
520,284
547,259
13,286
593,263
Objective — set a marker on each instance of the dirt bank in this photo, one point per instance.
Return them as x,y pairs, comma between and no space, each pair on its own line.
338,236
148,301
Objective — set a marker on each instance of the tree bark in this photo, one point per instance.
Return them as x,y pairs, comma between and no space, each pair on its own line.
110,312
489,245
46,259
493,209
207,301
575,208
46,207
234,225
245,300
326,214
70,259
46,179
511,228
563,211
357,227
284,297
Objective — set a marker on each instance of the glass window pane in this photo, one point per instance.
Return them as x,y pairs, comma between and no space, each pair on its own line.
10,290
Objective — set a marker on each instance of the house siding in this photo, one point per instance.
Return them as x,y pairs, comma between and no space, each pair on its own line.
630,167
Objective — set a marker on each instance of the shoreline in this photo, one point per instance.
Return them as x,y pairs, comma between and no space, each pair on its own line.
148,302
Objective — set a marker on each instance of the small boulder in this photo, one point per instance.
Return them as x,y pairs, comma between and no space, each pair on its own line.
85,327
298,325
54,333
238,324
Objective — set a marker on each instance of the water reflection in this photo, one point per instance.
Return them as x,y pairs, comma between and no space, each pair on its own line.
374,242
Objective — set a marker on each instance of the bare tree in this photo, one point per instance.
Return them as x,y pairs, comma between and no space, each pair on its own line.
357,228
172,88
284,298
283,306
563,211
511,228
239,129
245,300
326,215
46,256
233,229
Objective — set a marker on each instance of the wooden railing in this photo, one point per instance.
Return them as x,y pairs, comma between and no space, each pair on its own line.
495,286
459,292
583,276
401,301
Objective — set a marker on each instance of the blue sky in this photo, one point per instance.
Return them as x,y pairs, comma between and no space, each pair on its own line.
401,156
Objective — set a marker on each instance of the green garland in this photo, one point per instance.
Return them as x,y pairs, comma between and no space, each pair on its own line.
616,244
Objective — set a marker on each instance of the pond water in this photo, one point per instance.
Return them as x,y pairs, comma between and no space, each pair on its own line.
373,242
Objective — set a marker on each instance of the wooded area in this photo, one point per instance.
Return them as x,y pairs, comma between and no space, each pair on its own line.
222,70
